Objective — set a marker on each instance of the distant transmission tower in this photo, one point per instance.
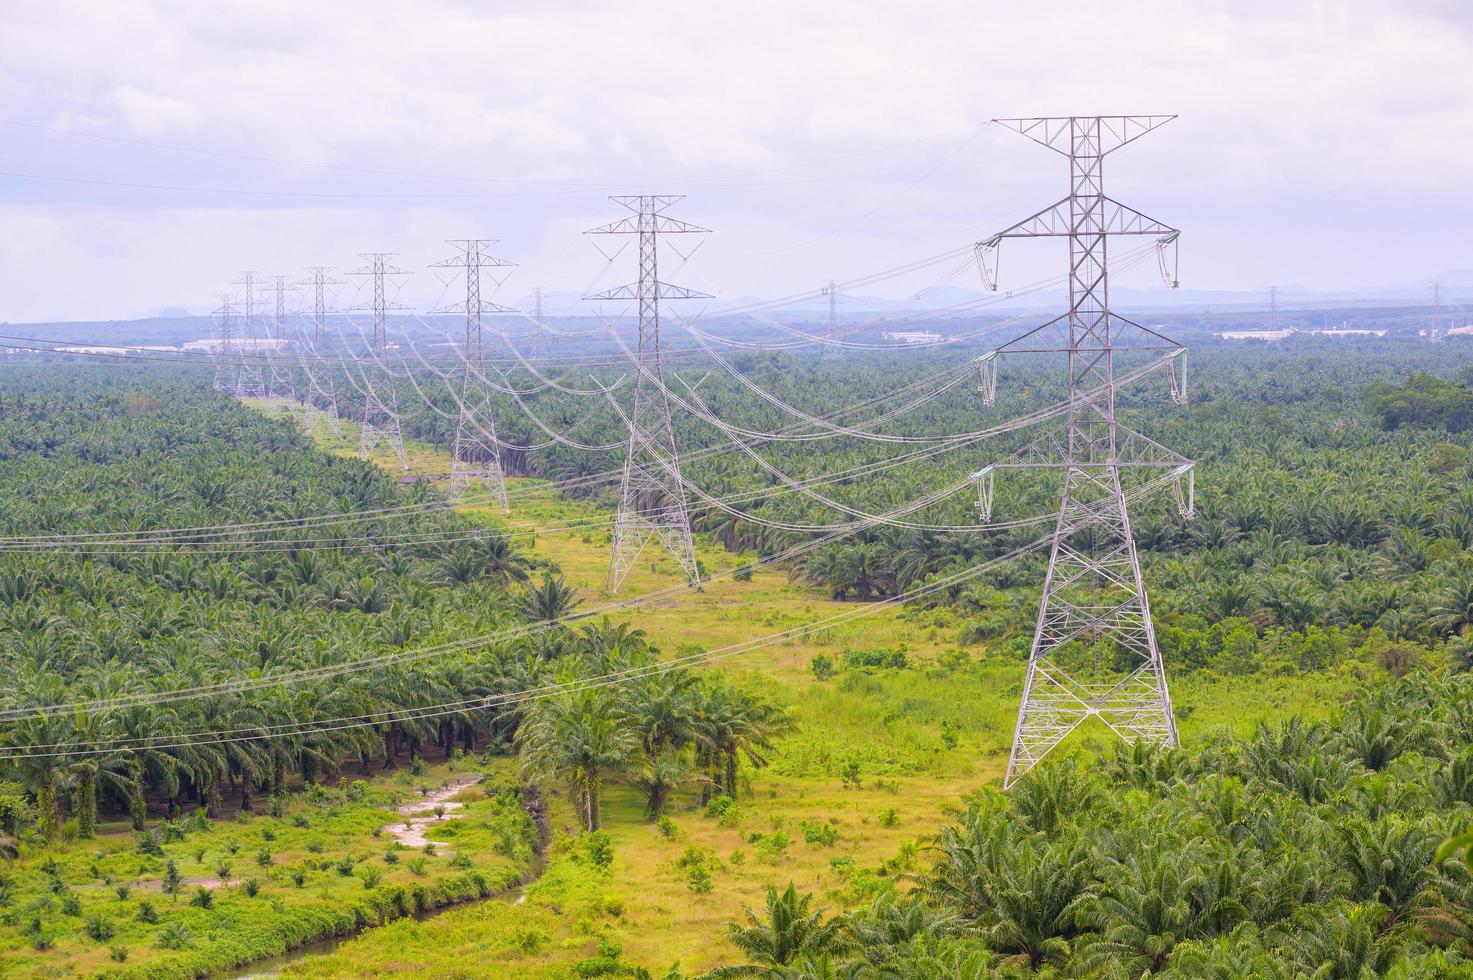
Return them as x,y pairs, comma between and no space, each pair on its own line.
278,381
651,492
321,408
831,348
379,270
1273,307
475,456
380,407
1435,333
235,374
1094,648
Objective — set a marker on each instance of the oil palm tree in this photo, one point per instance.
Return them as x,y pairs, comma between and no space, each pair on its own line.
790,931
579,737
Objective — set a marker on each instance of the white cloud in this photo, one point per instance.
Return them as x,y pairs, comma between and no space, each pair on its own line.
1320,143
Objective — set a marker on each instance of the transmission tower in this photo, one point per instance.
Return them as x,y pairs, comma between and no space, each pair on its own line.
278,381
651,492
831,348
321,408
1273,308
235,374
1435,332
475,456
1094,648
380,408
379,270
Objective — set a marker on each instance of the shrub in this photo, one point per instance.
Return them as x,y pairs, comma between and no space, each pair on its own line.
876,659
299,877
122,891
301,820
203,898
462,862
172,878
820,834
666,827
391,856
175,935
600,849
222,870
71,904
416,867
822,666
371,877
889,818
147,912
119,954
770,849
719,806
344,866
850,776
263,857
278,806
99,928
251,887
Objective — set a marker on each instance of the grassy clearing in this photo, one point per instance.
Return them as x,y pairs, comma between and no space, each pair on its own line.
880,758
250,886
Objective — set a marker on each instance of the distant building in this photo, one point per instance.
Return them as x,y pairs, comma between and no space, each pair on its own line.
913,337
239,343
1270,336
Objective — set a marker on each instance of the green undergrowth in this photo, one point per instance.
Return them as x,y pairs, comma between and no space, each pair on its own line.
184,899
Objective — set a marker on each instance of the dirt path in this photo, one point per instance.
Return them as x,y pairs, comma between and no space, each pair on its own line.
420,815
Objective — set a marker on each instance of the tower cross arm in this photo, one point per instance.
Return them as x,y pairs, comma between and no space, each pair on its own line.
664,290
1057,221
1056,132
662,224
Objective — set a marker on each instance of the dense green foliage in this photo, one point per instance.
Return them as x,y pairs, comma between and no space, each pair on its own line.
1305,850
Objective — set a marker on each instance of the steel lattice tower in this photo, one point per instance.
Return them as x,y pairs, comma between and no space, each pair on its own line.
278,381
380,408
1094,650
651,492
321,403
475,456
235,374
831,349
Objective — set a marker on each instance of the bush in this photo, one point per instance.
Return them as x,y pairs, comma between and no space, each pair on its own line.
820,834
71,904
770,849
416,867
822,666
876,659
371,877
99,928
344,866
119,954
174,935
203,898
600,849
299,877
889,818
666,827
251,887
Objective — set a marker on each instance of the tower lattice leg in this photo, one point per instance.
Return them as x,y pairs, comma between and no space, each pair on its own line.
1094,648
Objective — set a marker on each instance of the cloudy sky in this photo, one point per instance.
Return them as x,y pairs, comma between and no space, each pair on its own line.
149,150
